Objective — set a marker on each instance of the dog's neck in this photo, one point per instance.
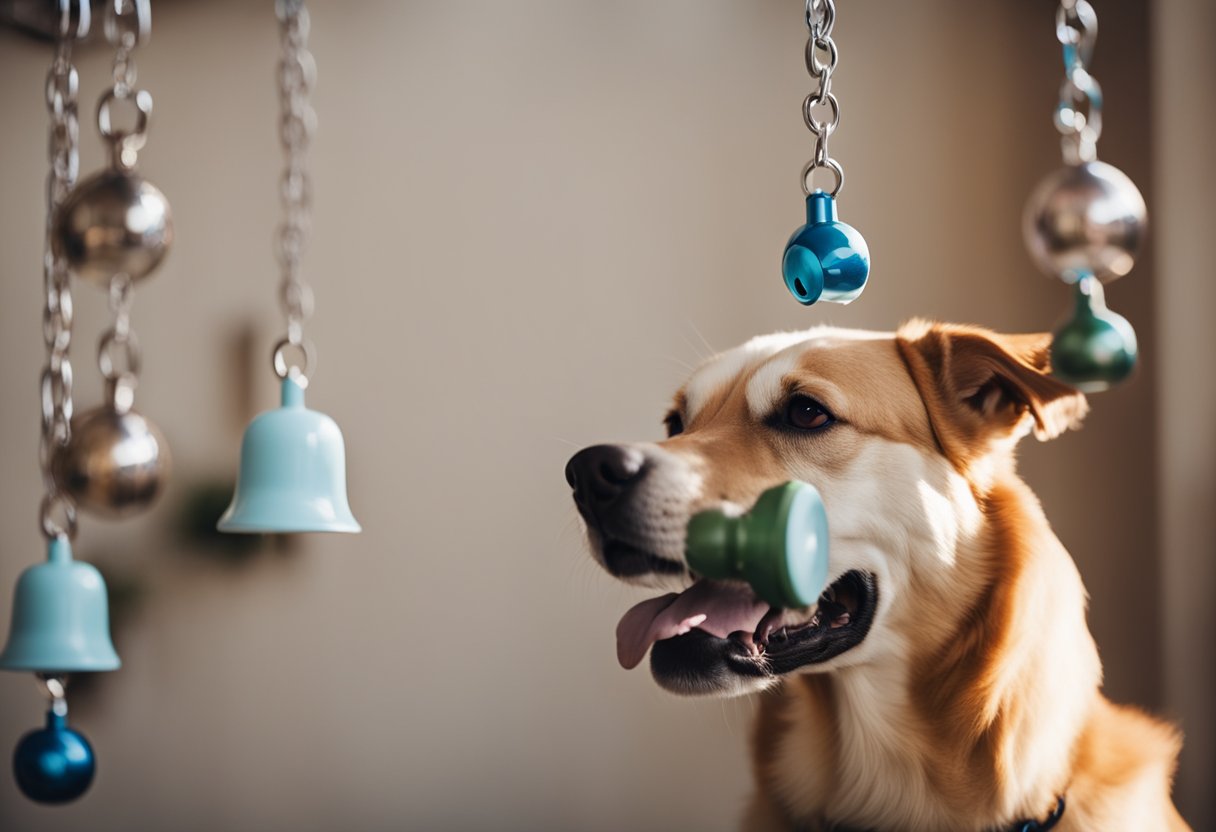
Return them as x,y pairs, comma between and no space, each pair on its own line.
969,735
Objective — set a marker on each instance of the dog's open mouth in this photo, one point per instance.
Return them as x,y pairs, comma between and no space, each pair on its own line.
714,628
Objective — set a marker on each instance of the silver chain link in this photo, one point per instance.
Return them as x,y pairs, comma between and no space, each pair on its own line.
297,72
820,109
62,85
1078,116
54,687
118,353
127,25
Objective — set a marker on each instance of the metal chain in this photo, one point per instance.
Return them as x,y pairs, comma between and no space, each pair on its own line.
821,59
1078,116
128,24
297,72
118,353
62,85
54,687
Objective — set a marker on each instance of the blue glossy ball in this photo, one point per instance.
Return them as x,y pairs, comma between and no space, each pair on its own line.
825,259
54,764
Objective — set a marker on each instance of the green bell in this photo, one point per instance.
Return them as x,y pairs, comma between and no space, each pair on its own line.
1096,348
780,547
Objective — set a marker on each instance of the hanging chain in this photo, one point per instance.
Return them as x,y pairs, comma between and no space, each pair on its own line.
127,25
820,109
118,353
1078,116
54,687
62,85
297,73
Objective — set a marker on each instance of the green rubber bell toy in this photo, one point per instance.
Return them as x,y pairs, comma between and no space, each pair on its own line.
1096,348
780,547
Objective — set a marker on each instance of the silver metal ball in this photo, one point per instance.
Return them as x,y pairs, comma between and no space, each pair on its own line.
1085,219
114,222
114,464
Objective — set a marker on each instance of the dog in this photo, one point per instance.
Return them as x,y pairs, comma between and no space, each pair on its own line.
946,680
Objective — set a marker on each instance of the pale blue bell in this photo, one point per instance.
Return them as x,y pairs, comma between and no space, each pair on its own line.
61,617
293,472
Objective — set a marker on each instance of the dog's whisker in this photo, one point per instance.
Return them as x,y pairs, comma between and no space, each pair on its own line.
704,340
570,524
684,364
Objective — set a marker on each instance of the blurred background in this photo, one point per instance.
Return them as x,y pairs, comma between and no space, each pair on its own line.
531,219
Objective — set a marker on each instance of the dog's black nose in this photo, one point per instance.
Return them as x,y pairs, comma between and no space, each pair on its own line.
601,473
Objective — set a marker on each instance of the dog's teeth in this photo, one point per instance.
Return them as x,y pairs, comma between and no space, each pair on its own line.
767,624
762,635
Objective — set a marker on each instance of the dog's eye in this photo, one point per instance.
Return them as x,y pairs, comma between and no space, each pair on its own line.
675,425
805,413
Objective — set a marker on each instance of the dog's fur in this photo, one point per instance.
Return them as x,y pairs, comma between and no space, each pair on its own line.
973,700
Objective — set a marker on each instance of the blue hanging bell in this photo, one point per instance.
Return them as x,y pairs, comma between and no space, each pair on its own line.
825,259
293,472
54,764
61,618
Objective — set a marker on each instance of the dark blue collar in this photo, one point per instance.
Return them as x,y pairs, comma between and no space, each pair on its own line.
1041,825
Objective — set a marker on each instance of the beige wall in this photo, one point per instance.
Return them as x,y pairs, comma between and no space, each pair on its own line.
528,215
1184,110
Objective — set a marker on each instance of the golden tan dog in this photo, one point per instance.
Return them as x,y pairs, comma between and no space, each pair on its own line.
947,679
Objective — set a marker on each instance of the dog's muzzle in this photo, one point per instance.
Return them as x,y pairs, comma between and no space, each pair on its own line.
713,630
635,501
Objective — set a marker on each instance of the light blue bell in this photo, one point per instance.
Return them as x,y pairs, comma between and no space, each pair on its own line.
293,472
61,618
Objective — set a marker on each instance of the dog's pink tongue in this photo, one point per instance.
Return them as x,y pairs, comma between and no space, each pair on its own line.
719,609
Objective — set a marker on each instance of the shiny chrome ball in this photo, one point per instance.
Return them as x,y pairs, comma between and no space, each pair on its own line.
1085,219
114,222
115,464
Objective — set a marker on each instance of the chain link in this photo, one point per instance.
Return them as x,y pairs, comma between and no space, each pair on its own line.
118,353
62,85
1078,116
820,109
54,687
127,25
297,74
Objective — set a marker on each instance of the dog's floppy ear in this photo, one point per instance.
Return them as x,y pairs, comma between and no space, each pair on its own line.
979,385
